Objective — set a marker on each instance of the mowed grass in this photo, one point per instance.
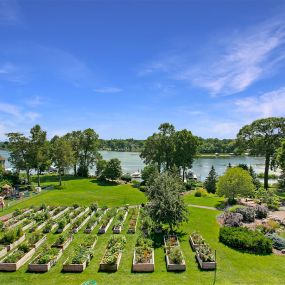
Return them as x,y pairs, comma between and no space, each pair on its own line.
82,191
234,267
209,201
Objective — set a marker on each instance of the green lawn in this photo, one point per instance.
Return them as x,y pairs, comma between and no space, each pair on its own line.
210,200
234,267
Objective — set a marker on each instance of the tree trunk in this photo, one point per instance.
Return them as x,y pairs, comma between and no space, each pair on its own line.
28,175
39,179
59,173
266,170
74,170
183,173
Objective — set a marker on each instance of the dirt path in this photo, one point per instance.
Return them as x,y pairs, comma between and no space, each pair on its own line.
202,207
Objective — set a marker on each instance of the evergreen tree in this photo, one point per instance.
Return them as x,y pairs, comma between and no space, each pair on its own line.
211,180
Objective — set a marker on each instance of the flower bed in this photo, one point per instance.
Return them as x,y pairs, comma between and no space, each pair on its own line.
134,220
206,257
21,255
79,260
106,222
174,259
63,241
92,223
44,261
196,240
171,240
112,256
119,221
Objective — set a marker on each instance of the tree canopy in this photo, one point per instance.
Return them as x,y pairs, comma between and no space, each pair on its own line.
236,182
262,137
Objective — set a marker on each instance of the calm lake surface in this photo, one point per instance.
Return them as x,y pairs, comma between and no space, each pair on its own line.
132,162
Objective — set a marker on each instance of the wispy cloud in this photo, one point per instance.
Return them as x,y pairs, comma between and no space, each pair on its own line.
233,65
10,109
266,105
11,72
107,90
9,12
34,101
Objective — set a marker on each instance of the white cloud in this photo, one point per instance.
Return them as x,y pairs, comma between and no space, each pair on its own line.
266,105
231,66
107,90
31,115
10,109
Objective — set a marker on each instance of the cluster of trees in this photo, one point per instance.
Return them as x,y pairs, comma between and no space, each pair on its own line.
121,144
35,152
169,149
213,145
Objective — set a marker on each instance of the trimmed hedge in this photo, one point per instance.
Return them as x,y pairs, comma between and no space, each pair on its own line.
245,239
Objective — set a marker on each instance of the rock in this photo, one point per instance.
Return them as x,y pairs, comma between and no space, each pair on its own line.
283,251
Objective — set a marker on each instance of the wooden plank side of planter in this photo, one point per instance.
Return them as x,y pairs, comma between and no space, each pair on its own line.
16,243
175,267
60,214
16,224
66,244
88,231
42,225
59,231
143,267
40,242
206,265
83,223
26,227
74,267
194,246
18,264
102,231
111,267
3,251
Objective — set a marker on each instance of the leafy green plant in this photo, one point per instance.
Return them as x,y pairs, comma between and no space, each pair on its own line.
206,253
175,255
197,238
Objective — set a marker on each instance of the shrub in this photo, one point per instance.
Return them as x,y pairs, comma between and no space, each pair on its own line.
269,227
126,177
245,239
142,188
232,219
201,193
277,241
261,211
248,214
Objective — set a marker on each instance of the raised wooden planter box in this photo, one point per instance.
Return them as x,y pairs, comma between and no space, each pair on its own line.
3,251
175,267
59,231
133,230
88,231
40,242
165,240
111,267
34,267
18,264
194,245
16,243
83,223
42,225
17,224
119,229
104,230
26,227
74,267
65,245
60,214
143,267
206,265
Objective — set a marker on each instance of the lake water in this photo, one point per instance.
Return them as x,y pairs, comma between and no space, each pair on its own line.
132,162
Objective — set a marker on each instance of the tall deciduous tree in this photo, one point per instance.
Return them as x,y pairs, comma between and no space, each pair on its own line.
211,181
165,203
62,155
185,145
235,182
89,144
39,150
20,153
262,137
281,163
113,169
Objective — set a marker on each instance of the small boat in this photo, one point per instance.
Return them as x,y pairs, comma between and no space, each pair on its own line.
136,175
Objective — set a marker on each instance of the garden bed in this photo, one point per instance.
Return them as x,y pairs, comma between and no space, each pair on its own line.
63,242
134,220
119,221
171,240
93,222
206,258
196,240
174,259
77,229
44,261
145,265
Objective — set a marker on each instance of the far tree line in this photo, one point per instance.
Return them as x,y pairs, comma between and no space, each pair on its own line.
167,150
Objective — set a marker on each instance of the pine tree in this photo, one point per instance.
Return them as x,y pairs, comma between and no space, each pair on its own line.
211,180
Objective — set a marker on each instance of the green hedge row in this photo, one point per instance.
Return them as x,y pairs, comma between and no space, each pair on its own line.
245,239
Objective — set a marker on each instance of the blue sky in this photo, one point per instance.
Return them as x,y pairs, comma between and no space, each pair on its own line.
124,67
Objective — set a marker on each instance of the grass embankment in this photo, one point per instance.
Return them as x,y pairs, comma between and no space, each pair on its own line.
234,267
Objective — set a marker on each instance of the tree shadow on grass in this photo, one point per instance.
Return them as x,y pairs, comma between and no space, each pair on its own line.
104,183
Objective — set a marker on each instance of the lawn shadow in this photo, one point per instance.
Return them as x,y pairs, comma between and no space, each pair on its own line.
104,183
